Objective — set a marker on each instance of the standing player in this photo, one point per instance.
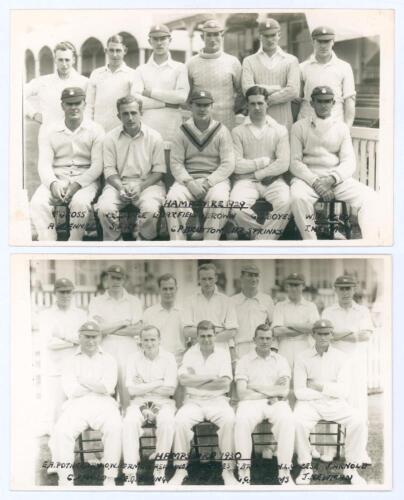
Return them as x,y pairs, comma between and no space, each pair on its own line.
217,72
210,304
69,166
151,379
353,328
108,83
252,307
89,380
59,326
162,85
324,68
276,71
47,89
206,374
119,315
323,163
263,379
262,152
293,319
167,316
321,383
133,168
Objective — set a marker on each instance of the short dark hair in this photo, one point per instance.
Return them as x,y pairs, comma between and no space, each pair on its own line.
116,39
263,327
204,325
166,277
207,267
127,100
147,328
65,46
256,90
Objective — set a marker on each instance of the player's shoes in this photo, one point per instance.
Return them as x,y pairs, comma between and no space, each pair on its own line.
179,476
327,457
304,477
314,452
109,482
267,453
229,479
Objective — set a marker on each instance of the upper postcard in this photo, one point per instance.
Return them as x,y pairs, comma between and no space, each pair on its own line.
170,127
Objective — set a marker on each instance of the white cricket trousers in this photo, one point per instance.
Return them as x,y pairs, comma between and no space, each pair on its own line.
80,206
96,412
109,204
216,410
308,413
246,192
351,191
132,431
249,414
215,216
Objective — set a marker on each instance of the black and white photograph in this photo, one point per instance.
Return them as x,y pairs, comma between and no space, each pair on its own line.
194,128
201,372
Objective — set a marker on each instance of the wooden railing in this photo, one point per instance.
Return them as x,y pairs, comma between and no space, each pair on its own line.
366,144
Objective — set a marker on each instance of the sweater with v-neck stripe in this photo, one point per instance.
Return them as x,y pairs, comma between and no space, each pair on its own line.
208,154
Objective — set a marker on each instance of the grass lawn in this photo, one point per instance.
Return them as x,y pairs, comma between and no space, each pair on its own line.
209,473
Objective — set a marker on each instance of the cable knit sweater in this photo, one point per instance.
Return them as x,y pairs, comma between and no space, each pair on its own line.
281,69
220,74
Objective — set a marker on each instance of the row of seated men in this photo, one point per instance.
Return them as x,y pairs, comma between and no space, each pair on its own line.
203,159
234,343
227,172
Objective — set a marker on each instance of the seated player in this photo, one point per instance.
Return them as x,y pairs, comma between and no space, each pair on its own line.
69,165
323,163
206,374
89,378
202,160
262,152
321,383
151,378
134,166
263,378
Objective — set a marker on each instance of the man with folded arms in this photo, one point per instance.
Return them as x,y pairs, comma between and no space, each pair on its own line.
210,304
323,163
133,168
151,378
202,160
206,374
263,379
69,165
162,85
89,379
321,383
119,315
262,152
274,70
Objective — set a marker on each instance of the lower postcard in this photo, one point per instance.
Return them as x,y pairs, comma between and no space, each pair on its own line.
201,372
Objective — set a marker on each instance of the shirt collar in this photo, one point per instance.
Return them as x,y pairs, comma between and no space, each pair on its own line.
124,296
216,292
314,353
278,52
254,355
169,62
161,308
302,301
79,351
139,134
312,59
354,306
269,121
62,127
123,67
